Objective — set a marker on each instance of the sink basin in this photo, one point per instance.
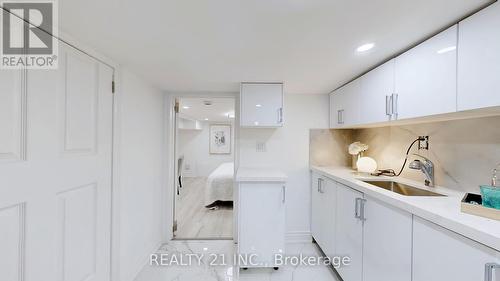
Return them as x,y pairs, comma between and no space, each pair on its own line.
403,189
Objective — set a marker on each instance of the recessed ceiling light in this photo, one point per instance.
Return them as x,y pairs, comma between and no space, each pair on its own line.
258,105
206,119
186,107
447,49
365,47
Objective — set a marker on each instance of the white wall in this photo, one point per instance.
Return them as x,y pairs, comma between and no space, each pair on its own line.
139,163
288,149
194,145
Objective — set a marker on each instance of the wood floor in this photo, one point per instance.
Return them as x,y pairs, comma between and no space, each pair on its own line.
194,221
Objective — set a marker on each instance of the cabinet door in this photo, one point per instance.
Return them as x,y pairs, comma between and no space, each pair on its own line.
439,254
336,105
344,106
316,208
261,105
349,233
426,77
479,60
377,86
328,191
387,233
262,221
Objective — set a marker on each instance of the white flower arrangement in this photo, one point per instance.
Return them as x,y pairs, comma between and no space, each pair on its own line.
356,148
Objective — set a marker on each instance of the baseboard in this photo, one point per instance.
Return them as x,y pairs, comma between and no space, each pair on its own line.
298,237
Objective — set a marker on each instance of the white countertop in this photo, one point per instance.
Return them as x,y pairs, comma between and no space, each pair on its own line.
444,211
245,174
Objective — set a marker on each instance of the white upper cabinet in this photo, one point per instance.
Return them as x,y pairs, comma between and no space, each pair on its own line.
377,89
479,60
344,107
426,77
261,105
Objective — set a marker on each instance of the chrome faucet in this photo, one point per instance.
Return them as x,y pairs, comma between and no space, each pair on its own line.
427,167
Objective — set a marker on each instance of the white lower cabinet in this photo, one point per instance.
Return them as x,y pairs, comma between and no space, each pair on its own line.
386,243
439,254
389,244
261,221
324,194
349,231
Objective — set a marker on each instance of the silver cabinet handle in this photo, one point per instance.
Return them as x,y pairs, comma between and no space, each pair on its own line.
362,216
359,209
281,115
395,102
356,208
321,181
488,271
283,189
388,105
340,116
278,113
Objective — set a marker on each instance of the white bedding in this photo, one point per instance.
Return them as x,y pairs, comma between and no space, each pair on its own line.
220,184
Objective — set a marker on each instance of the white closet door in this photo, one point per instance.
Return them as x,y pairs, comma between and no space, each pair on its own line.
55,171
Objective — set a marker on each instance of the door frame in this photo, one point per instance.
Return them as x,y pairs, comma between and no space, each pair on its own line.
168,202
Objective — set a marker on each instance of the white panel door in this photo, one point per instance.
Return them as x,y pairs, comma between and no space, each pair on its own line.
426,77
439,254
261,221
261,105
377,86
316,208
349,232
55,175
479,60
387,233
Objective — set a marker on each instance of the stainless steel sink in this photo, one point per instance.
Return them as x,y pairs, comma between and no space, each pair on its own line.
403,189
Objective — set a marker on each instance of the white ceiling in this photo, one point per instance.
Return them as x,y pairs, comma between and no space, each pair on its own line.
188,45
197,110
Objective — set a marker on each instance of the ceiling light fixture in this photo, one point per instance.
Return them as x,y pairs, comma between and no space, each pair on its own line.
365,47
258,105
186,107
206,119
447,49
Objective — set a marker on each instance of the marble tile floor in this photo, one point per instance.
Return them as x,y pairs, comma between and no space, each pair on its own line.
205,272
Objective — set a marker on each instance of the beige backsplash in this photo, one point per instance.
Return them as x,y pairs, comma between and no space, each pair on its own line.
464,151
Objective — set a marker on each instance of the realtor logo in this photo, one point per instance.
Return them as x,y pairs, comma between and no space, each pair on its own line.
29,34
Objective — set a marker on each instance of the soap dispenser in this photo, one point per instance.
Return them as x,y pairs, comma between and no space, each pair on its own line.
494,180
491,194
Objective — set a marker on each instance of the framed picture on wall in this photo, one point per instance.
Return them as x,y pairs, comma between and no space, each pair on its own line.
220,139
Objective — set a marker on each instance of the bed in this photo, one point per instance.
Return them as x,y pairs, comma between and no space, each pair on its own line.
220,185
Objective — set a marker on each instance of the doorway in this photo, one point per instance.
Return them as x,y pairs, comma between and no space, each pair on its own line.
204,167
